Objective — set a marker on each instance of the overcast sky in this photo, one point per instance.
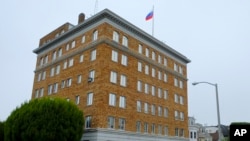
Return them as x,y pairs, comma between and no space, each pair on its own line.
213,34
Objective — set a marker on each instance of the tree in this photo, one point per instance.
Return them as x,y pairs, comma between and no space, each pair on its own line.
45,119
1,131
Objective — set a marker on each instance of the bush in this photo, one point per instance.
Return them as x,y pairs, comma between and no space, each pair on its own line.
45,119
1,131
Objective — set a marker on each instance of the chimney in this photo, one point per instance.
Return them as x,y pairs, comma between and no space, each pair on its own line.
81,18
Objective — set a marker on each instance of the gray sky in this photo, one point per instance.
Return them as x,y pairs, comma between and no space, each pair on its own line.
214,34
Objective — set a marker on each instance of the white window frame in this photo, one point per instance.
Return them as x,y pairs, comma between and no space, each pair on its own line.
147,52
114,56
139,66
122,102
146,88
111,122
71,62
121,125
123,80
81,58
124,60
77,100
90,99
93,55
139,86
146,69
95,35
113,77
153,90
159,111
138,106
112,99
153,109
140,48
88,121
153,55
52,72
115,36
92,75
58,67
125,41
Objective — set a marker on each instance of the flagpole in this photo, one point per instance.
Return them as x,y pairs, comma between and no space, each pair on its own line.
153,20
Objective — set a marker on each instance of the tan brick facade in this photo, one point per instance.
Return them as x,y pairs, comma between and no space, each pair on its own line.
101,87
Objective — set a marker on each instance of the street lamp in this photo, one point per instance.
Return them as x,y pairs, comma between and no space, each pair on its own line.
217,102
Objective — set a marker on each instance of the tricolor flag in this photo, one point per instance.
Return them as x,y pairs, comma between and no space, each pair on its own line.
150,15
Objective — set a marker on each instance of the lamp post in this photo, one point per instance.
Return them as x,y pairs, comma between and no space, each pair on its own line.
217,103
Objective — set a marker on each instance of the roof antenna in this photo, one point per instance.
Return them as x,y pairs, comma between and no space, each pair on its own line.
96,7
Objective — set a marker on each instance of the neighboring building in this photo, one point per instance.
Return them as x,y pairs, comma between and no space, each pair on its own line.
129,85
197,131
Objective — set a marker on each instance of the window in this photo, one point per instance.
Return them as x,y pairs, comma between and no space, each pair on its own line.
153,55
79,79
111,122
60,52
159,75
176,98
71,62
73,44
182,116
93,55
67,47
159,129
123,81
92,75
89,99
138,126
159,111
65,64
77,99
39,77
63,83
153,128
88,120
146,88
46,59
58,69
115,36
153,72
121,124
44,75
159,92
41,61
122,102
165,94
165,112
175,67
81,58
114,56
180,70
41,92
176,131
83,39
139,66
125,41
153,109
112,99
166,130
153,90
145,127
124,60
113,77
195,135
165,61
191,134
55,88
95,35
175,82
36,93
140,48
165,77
68,82
139,86
147,52
146,69
146,108
50,89
181,100
181,84
54,55
176,115
138,105
181,134
159,59
52,70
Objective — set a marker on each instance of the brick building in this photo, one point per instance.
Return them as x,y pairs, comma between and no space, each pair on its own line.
130,85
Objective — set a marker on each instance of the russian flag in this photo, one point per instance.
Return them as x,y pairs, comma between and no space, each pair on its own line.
150,15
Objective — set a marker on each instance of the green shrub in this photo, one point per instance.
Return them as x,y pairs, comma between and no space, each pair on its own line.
45,119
